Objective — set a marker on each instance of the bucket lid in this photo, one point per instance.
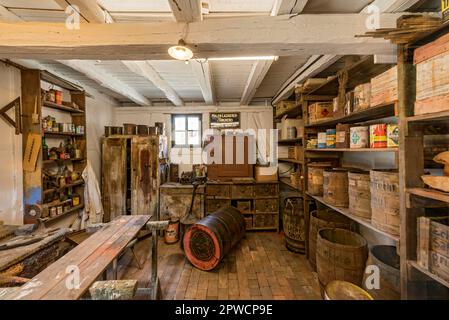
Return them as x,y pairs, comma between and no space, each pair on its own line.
342,290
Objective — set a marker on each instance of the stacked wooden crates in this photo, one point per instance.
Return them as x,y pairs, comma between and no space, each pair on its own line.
258,202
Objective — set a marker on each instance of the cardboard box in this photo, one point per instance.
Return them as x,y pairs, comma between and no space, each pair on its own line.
266,174
320,111
362,97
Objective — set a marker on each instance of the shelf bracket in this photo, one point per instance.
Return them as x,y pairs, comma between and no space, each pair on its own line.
17,124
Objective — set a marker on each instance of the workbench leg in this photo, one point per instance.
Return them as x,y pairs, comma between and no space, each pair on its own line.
115,269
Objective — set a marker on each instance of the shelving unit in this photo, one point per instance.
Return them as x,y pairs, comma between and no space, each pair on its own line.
355,150
33,184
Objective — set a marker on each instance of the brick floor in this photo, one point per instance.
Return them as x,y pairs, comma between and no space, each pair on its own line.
258,268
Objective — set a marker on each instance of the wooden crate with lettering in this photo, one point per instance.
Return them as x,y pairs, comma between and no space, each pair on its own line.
433,245
384,88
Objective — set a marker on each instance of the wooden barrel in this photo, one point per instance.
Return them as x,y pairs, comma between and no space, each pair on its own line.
315,177
385,200
359,194
130,128
341,255
335,187
342,290
294,225
388,263
323,219
210,239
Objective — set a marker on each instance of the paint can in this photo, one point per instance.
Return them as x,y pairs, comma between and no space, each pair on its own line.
331,135
160,127
392,136
130,129
152,131
343,136
58,97
378,136
172,233
359,137
142,130
322,137
291,133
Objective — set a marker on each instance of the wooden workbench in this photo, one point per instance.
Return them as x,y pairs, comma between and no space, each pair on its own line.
91,258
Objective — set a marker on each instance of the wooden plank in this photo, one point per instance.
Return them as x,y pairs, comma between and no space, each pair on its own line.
92,256
429,193
429,274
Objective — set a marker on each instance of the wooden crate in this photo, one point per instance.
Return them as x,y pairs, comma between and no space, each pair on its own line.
320,111
266,190
362,97
244,206
284,106
267,205
384,88
432,79
242,191
433,245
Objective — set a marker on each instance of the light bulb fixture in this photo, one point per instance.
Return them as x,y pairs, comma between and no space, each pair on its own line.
181,51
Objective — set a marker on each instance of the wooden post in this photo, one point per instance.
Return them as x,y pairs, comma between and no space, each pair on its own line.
411,164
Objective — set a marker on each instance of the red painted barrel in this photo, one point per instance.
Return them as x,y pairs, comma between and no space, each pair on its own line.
208,241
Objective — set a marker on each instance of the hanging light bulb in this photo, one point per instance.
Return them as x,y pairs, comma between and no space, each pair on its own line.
181,51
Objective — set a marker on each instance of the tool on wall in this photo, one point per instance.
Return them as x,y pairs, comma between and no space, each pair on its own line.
17,123
35,115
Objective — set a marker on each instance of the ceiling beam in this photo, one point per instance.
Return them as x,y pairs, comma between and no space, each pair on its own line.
390,6
186,10
88,9
106,80
258,72
288,7
310,69
280,36
203,74
144,69
6,15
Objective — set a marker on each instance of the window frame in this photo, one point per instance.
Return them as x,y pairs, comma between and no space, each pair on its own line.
199,116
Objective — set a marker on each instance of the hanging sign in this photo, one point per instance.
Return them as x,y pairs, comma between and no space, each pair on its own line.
445,10
225,120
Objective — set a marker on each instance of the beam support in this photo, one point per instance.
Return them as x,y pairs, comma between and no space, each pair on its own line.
6,15
88,9
144,69
186,10
282,7
256,76
104,79
203,74
279,36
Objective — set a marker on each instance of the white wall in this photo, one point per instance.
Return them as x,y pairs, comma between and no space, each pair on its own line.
150,115
100,111
11,186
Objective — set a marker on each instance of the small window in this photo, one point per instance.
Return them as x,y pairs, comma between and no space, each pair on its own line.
186,130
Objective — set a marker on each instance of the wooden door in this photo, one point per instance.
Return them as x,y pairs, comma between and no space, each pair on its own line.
144,175
114,177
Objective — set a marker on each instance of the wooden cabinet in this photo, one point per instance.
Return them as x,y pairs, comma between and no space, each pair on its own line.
258,202
133,169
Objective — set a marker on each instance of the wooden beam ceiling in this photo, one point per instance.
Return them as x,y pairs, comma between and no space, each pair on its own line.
104,79
282,35
282,7
88,9
203,74
6,15
144,69
256,76
186,10
392,5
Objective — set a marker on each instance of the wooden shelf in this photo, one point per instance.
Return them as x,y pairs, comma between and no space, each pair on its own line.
71,211
287,181
362,221
62,134
416,266
60,161
290,161
355,150
61,107
430,118
290,141
382,111
292,113
70,185
359,73
430,194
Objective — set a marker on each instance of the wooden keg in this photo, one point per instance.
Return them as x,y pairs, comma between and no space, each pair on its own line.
142,130
388,263
323,219
359,194
341,255
335,187
294,225
385,200
210,239
342,290
315,177
130,129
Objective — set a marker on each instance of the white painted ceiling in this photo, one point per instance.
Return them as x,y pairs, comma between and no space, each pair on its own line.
229,78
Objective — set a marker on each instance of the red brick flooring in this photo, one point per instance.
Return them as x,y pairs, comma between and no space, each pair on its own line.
259,268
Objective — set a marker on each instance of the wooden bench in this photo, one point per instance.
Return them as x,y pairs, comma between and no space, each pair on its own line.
86,262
